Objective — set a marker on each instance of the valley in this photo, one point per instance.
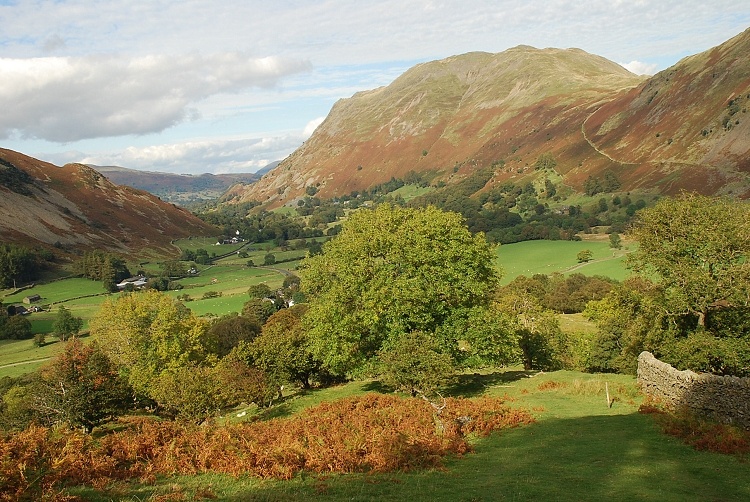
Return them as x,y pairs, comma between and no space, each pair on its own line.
442,294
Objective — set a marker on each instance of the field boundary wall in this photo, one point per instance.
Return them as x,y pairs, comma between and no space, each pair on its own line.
722,398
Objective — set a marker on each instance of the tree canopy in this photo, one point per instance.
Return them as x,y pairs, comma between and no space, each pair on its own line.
80,387
416,365
283,351
699,248
147,333
391,271
694,314
65,324
18,263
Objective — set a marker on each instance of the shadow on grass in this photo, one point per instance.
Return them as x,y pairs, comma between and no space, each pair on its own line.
466,385
476,384
376,386
281,409
620,457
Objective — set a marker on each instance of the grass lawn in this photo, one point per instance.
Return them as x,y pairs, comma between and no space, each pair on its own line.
409,192
21,356
232,281
230,276
219,306
579,450
58,291
207,243
546,257
576,323
286,210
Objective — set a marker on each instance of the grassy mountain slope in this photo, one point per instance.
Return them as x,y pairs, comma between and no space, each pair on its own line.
75,208
449,117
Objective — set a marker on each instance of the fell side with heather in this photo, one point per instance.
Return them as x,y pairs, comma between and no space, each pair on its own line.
686,128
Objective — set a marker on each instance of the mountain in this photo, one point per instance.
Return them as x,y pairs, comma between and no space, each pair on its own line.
75,208
177,188
687,127
445,119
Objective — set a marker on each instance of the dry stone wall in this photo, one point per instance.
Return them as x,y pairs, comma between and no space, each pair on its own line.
722,398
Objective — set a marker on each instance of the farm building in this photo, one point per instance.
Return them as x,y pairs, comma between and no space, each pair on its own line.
137,282
31,299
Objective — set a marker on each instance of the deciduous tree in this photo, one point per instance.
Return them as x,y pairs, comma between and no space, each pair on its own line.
615,241
629,320
65,324
260,309
541,342
415,364
283,349
196,392
15,327
699,247
80,387
260,291
229,331
584,256
391,271
147,333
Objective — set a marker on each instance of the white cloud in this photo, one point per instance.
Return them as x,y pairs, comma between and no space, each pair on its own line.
311,126
69,99
640,68
216,156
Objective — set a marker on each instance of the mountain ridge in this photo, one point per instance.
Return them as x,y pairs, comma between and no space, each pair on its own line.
504,110
74,208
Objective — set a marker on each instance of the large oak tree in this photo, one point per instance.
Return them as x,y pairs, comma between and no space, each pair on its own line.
389,272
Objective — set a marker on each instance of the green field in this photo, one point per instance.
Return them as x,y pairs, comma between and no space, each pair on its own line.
58,291
257,254
409,192
231,280
207,243
579,450
546,257
21,356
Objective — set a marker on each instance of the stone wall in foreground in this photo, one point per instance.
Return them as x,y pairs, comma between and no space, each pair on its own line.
722,398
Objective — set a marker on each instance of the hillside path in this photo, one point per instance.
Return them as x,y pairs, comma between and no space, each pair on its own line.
21,363
593,145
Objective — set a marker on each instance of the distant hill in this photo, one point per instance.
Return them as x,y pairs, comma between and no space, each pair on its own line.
75,208
685,128
267,169
177,188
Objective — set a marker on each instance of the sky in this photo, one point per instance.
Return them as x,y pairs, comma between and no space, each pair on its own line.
224,86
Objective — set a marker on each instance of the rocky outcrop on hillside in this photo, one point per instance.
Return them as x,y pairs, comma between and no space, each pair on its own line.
447,118
75,208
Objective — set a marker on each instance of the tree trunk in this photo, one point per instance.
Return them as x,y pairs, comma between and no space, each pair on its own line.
702,319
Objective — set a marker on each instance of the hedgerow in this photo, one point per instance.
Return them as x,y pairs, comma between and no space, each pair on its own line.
371,433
